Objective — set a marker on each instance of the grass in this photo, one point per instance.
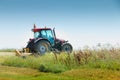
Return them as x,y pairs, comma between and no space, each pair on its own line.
15,73
7,50
56,63
86,64
44,63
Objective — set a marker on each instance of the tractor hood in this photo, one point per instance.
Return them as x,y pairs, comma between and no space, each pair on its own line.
30,40
61,40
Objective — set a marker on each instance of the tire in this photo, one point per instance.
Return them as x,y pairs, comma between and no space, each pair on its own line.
67,48
42,47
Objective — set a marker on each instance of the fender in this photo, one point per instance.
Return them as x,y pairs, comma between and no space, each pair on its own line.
39,39
66,43
35,41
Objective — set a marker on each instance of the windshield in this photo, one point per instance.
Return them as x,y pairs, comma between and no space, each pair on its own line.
44,34
36,34
47,34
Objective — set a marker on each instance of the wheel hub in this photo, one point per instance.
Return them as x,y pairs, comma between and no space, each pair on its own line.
67,48
42,49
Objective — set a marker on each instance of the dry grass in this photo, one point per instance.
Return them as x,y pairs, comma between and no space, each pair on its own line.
93,74
18,71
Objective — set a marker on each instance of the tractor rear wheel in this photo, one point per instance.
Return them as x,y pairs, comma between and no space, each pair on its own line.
67,48
42,47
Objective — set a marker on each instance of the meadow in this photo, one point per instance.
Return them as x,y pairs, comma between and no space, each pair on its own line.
87,64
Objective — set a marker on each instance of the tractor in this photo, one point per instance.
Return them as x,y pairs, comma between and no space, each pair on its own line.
45,41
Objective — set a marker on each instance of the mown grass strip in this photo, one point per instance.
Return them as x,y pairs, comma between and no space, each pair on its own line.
16,73
7,50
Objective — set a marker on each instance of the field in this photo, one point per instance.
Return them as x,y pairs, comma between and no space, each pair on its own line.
86,64
14,73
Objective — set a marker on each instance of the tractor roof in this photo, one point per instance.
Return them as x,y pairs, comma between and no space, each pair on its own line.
39,29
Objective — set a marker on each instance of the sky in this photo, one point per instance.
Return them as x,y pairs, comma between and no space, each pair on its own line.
81,22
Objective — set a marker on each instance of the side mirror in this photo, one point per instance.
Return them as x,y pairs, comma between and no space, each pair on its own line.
54,28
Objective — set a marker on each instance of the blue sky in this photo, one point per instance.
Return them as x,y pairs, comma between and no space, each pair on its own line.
82,22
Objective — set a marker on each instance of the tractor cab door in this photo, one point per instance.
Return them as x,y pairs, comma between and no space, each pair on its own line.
48,34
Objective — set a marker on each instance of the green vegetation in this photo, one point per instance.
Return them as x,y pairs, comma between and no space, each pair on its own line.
86,64
56,63
7,50
44,63
15,73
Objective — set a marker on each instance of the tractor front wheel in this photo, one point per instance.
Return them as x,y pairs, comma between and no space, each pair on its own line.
67,48
42,47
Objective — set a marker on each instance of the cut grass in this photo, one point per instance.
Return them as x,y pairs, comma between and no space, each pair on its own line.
7,50
15,73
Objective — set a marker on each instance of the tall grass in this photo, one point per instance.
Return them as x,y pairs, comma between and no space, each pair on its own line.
45,63
102,58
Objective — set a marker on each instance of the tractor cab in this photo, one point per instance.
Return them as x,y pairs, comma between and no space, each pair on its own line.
44,33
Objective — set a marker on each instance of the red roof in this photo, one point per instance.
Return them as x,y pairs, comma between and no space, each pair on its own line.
39,29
